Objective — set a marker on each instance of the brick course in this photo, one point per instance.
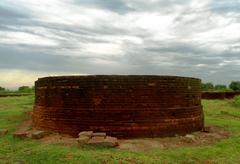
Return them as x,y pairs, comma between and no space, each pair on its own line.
219,95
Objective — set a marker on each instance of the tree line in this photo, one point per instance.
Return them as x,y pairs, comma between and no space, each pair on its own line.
233,86
22,89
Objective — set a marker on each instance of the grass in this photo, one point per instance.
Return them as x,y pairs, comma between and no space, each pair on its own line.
236,101
217,112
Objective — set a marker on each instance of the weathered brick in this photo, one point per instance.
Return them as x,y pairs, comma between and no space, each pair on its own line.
219,95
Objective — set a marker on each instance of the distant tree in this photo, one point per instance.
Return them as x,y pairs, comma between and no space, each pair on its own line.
25,89
235,85
220,87
207,86
2,89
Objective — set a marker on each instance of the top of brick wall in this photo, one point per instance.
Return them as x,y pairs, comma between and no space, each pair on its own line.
118,76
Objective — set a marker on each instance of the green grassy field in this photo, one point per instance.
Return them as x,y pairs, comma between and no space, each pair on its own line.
220,113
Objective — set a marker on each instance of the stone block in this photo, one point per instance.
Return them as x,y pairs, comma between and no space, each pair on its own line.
111,141
20,135
99,134
82,140
108,141
3,132
86,133
190,136
38,134
207,129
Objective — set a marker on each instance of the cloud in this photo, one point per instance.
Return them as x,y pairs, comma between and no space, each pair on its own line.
118,6
222,6
186,38
9,12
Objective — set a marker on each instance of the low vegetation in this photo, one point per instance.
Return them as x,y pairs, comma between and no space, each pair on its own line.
233,86
23,90
222,113
236,101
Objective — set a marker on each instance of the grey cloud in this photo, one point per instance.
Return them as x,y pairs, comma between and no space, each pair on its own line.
36,60
223,6
11,16
159,58
118,6
174,47
151,57
126,6
162,6
7,13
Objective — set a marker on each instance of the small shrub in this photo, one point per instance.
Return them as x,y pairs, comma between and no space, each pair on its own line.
235,85
220,87
236,101
25,89
207,86
2,89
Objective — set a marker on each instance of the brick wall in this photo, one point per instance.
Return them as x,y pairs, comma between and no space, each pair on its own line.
121,106
219,95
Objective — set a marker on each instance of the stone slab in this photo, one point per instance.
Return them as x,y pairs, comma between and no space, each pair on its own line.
99,134
82,140
38,134
86,133
3,132
20,135
108,141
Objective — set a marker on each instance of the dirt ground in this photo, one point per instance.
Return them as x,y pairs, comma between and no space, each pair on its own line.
211,135
194,139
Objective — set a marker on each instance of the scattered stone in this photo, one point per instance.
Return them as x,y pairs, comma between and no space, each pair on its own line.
190,136
86,133
100,138
82,140
38,134
3,132
111,141
96,140
20,135
108,141
187,140
18,162
99,134
176,135
207,129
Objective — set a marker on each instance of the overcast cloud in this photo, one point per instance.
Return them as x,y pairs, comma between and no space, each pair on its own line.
163,37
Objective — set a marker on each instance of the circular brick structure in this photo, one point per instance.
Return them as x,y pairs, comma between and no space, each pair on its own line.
122,106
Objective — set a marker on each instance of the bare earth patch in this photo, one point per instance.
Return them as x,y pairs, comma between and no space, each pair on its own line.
200,138
195,139
57,138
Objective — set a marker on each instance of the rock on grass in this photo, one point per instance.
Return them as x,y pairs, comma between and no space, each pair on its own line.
38,134
3,132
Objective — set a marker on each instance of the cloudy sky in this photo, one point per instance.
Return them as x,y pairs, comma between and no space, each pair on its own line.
163,37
